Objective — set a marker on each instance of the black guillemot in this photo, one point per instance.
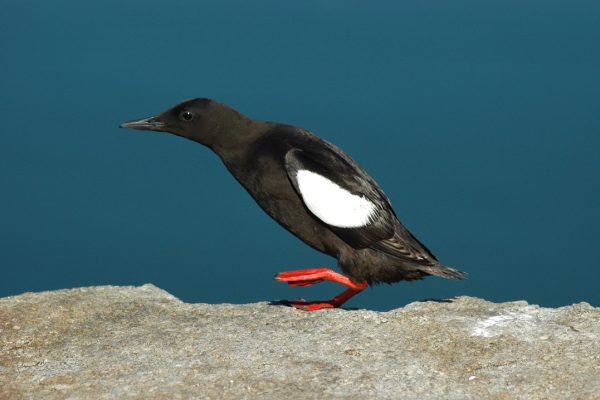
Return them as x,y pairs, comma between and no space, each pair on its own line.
314,190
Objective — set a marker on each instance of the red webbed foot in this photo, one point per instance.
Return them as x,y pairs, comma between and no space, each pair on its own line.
309,305
306,277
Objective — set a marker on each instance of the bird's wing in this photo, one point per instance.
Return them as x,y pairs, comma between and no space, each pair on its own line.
345,198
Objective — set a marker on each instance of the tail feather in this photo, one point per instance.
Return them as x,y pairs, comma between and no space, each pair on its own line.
443,271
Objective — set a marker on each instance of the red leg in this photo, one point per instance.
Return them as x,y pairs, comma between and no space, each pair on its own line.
306,277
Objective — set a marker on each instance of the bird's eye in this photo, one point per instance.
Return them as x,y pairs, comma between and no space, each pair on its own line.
186,116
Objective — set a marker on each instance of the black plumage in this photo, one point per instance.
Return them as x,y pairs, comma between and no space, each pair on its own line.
266,158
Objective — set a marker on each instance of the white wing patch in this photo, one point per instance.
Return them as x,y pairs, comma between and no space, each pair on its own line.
332,204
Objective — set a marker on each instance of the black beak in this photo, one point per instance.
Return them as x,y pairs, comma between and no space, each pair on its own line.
146,124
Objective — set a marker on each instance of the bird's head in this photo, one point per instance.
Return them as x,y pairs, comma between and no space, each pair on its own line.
202,120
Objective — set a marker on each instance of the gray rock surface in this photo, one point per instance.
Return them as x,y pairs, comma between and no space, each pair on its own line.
141,342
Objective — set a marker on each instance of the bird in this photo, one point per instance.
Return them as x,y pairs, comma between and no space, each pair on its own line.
314,190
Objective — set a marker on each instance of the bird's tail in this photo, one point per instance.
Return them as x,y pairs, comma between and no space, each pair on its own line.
443,271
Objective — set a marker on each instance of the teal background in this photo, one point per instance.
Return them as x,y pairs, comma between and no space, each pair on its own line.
480,119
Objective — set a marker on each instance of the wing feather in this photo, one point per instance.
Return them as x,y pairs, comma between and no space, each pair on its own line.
381,230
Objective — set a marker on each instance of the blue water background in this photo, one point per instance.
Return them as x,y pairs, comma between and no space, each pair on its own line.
480,119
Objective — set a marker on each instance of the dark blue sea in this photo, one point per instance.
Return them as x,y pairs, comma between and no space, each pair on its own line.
480,119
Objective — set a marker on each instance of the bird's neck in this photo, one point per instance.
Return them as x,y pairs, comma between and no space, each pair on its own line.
238,137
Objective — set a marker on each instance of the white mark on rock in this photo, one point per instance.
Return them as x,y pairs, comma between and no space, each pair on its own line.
483,327
496,325
332,204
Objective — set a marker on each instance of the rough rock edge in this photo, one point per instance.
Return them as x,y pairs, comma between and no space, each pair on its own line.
142,342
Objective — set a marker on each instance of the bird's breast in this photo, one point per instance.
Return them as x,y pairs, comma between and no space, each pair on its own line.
266,180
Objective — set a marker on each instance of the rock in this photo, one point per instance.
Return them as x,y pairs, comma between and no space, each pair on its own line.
141,342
